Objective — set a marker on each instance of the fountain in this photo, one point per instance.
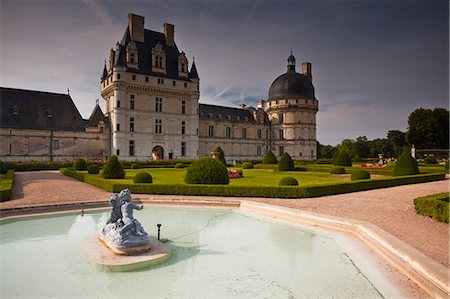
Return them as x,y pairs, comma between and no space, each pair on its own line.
123,244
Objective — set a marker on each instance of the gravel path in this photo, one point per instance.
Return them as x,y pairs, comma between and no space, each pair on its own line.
392,209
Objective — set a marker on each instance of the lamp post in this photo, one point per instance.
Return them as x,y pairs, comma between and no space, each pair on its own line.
159,229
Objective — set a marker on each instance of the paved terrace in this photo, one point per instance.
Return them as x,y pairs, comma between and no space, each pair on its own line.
391,209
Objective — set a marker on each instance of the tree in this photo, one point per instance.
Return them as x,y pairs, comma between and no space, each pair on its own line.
350,147
428,128
326,151
113,169
362,147
342,158
397,140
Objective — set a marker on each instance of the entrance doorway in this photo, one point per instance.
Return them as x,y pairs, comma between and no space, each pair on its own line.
157,153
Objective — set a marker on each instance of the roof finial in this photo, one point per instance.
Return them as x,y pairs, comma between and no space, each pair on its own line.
193,58
68,91
96,102
291,51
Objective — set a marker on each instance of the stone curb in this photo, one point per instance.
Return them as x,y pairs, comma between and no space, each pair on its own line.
430,275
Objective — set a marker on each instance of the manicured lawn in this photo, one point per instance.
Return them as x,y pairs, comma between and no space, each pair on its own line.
252,177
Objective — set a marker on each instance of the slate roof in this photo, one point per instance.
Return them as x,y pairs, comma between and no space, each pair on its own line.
96,117
207,111
151,38
193,73
38,110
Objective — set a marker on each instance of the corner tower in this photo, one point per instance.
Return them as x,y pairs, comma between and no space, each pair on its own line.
292,108
151,98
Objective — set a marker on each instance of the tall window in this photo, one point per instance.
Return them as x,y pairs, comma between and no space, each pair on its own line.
183,149
158,126
117,152
210,131
258,133
281,118
158,105
118,76
183,107
158,61
132,58
132,102
281,134
258,150
117,127
280,150
160,81
228,132
244,133
55,144
131,148
131,124
134,77
118,104
183,127
182,67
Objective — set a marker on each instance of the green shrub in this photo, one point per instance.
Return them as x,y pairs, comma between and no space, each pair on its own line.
221,156
431,160
3,168
113,169
288,181
269,158
180,165
406,165
6,185
360,175
79,164
337,170
434,206
134,166
342,158
357,159
142,177
247,165
446,167
93,169
285,163
207,171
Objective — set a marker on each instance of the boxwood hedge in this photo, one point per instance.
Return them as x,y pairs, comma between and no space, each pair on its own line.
252,191
434,206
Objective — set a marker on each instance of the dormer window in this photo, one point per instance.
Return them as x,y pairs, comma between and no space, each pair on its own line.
15,110
245,118
228,116
158,59
132,58
219,116
210,115
183,68
49,113
182,65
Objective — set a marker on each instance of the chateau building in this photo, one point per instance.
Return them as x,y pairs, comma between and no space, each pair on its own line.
152,111
152,101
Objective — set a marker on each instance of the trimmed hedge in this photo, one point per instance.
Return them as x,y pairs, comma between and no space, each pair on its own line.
207,171
247,165
221,156
337,170
252,191
113,169
93,169
134,166
360,175
180,165
285,163
35,166
79,164
434,206
3,168
406,165
430,160
269,158
288,181
6,185
142,177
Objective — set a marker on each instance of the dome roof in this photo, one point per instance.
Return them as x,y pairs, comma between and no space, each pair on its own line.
291,85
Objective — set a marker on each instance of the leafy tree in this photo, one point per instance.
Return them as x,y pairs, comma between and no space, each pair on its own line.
221,156
428,128
342,158
362,147
113,169
350,147
397,140
326,151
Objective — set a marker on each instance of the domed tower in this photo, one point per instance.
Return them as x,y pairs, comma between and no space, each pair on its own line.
292,108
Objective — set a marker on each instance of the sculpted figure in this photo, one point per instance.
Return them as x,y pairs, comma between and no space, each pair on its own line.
127,207
116,213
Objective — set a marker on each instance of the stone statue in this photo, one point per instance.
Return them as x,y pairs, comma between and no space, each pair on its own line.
123,233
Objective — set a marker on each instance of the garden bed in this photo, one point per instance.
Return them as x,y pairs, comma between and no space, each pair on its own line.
244,189
434,206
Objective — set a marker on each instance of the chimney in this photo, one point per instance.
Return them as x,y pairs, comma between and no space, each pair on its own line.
242,105
306,69
169,31
136,27
261,104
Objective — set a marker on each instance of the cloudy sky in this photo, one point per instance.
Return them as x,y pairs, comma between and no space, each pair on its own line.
373,62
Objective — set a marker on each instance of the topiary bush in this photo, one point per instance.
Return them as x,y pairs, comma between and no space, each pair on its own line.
288,181
134,166
285,163
207,171
79,164
337,170
431,160
93,169
221,156
342,158
247,165
406,165
360,175
269,158
4,168
113,169
142,177
180,165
